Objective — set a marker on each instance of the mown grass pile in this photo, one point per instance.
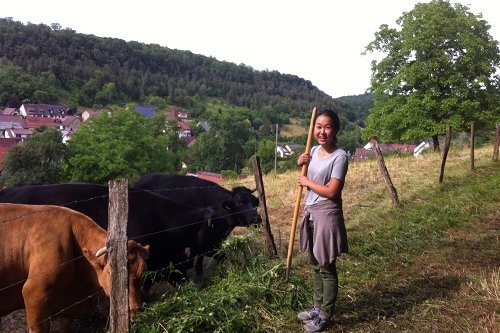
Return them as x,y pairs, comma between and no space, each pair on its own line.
245,292
431,264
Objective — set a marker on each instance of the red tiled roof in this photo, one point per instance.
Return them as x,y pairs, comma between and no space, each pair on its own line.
211,176
183,125
36,122
362,153
9,111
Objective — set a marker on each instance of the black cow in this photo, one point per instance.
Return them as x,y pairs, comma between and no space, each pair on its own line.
233,208
168,227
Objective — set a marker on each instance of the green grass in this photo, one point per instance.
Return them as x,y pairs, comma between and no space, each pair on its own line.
244,292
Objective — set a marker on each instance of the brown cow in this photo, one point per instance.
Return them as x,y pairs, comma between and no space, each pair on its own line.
52,259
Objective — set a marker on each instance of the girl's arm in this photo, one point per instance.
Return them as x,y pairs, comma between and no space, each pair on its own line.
331,190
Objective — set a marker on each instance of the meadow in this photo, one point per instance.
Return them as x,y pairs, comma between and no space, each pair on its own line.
430,264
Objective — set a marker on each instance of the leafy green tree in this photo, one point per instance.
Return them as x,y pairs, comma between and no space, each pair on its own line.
38,160
266,152
227,145
439,69
108,94
123,144
208,153
157,102
350,138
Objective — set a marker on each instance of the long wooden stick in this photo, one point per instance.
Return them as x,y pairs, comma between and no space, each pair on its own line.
298,197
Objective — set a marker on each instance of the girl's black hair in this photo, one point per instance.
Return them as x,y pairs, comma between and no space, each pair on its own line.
332,115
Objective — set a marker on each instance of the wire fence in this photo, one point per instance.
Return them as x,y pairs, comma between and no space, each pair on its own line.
166,230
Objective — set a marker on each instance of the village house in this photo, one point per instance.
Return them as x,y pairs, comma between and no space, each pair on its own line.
365,152
37,122
89,113
283,152
70,123
10,112
44,110
11,122
19,134
183,127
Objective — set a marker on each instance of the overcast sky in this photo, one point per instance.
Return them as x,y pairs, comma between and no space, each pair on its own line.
318,40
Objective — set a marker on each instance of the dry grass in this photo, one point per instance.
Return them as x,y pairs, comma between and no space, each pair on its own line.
295,128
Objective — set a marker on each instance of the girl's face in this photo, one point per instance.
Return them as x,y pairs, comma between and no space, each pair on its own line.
324,131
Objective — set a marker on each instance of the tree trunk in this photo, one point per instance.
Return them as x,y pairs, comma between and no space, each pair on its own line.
497,143
445,153
269,238
383,171
435,143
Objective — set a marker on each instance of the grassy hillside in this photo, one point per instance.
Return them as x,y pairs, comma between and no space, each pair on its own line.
432,264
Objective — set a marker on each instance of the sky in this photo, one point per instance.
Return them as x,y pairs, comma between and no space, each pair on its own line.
318,40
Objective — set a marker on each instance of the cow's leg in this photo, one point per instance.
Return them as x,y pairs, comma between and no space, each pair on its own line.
199,266
35,302
65,325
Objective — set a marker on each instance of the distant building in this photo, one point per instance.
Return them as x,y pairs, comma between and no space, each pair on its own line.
145,110
10,122
44,110
10,112
37,122
211,176
19,134
179,114
71,123
283,151
365,152
182,120
205,125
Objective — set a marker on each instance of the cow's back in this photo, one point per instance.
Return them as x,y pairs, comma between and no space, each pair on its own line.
34,241
89,199
187,189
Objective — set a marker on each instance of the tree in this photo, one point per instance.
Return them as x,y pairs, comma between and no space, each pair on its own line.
38,160
266,151
123,144
439,69
227,145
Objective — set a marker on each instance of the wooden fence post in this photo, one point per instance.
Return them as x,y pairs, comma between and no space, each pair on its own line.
472,142
271,246
117,249
497,143
384,172
445,153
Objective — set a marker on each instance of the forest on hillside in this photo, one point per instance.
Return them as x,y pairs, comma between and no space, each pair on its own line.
94,71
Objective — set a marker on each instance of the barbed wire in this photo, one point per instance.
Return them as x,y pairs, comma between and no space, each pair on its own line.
207,253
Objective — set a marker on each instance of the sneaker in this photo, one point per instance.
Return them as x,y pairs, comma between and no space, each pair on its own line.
309,314
319,324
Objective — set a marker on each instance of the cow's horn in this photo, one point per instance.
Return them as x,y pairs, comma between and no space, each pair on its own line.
101,251
255,189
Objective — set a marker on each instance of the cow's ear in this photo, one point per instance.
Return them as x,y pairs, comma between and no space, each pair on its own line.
138,249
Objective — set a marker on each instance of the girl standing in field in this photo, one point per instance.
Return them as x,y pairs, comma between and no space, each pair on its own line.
323,234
